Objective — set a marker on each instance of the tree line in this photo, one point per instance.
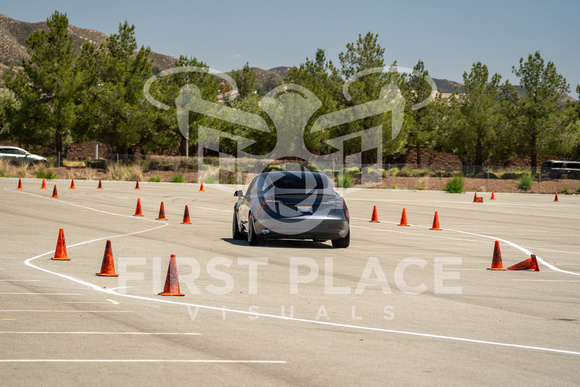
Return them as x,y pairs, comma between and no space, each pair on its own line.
62,96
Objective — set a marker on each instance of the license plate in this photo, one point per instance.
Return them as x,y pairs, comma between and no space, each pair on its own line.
304,209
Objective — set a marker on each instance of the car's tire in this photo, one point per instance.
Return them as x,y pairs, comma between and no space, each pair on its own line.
253,238
341,243
236,233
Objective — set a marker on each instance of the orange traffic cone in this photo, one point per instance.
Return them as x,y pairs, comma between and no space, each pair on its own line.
496,263
43,186
72,184
108,266
100,185
436,222
374,217
19,184
492,195
54,193
137,185
556,197
138,208
161,212
186,219
172,280
60,252
529,264
201,188
475,197
403,218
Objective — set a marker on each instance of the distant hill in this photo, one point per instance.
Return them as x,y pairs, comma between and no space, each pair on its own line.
13,34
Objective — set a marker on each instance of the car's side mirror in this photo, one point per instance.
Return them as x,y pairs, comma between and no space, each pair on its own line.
239,193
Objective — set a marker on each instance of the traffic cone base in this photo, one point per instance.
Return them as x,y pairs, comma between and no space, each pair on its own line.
186,219
403,218
43,186
19,184
138,211
375,217
72,184
161,212
496,263
108,266
172,281
436,222
60,252
54,193
528,264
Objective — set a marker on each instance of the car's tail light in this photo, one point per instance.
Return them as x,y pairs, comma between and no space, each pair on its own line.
338,202
270,201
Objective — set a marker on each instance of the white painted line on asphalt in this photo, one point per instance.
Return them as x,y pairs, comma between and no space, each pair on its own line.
64,311
19,280
211,209
43,294
113,301
104,333
543,280
200,361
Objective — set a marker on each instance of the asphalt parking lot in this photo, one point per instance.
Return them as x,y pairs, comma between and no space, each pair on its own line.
401,305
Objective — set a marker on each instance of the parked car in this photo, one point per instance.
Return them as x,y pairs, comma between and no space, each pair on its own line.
19,156
293,205
561,169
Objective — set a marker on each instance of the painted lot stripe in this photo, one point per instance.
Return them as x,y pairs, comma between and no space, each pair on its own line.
28,262
43,294
105,333
64,311
201,361
19,280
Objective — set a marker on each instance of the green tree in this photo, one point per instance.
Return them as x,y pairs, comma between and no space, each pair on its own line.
118,113
419,125
474,118
366,54
48,87
538,106
245,80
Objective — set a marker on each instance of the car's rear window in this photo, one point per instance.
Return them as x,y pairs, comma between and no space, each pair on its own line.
298,181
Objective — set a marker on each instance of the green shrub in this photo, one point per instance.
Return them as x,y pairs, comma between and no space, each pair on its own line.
393,171
578,189
404,173
346,181
565,189
525,182
49,175
455,185
177,178
155,179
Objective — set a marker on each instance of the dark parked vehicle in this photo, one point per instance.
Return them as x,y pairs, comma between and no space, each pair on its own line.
294,205
561,169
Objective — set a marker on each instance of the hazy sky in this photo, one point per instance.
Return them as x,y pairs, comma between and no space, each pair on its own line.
449,36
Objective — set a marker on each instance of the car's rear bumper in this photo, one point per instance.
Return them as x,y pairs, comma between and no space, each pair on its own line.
328,229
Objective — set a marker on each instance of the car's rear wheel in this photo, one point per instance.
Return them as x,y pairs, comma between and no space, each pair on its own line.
253,238
236,233
341,243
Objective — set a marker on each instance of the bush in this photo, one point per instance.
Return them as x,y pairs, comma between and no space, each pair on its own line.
177,178
96,164
404,173
49,175
155,179
455,185
346,181
565,190
525,182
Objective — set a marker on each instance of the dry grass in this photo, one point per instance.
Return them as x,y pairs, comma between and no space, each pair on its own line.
124,173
